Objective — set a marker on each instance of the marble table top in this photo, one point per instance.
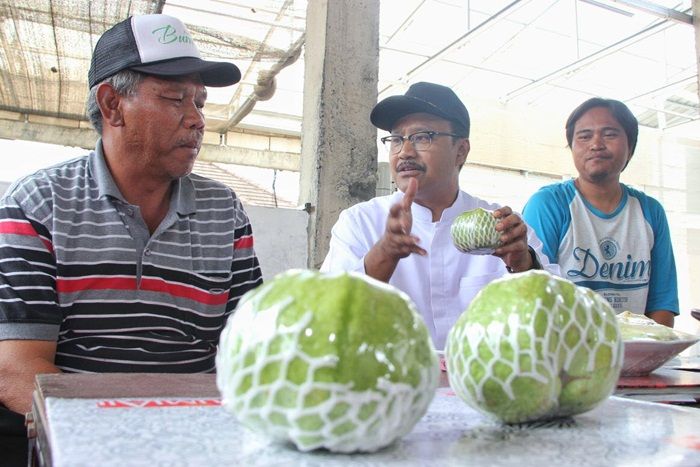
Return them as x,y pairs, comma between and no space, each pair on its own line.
192,432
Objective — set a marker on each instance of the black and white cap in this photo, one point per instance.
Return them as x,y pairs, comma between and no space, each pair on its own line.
159,45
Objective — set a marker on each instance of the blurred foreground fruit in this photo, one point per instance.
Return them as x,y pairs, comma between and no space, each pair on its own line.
335,361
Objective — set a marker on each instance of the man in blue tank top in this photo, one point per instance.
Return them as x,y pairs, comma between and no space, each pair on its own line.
603,234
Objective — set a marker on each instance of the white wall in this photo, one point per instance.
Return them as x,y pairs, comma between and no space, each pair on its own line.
280,238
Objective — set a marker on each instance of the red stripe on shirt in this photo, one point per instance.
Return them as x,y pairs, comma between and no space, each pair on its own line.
64,285
243,242
180,290
23,228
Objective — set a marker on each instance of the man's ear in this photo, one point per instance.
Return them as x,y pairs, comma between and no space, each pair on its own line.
463,151
109,103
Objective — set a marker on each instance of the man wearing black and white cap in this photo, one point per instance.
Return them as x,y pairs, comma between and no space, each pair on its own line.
404,239
122,260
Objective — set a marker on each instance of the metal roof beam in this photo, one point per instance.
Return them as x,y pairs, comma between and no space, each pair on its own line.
273,24
587,60
470,33
658,10
86,137
670,88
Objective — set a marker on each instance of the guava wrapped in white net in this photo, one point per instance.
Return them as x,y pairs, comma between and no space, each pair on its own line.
334,361
533,346
475,232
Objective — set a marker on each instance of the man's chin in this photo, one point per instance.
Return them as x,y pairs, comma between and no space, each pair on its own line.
180,172
402,183
600,177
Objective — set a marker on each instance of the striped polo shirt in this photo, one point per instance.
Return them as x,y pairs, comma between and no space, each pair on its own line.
79,266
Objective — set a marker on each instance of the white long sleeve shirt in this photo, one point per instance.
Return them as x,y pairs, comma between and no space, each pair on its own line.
442,283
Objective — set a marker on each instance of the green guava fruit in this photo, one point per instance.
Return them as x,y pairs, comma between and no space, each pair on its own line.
336,361
634,326
475,232
533,346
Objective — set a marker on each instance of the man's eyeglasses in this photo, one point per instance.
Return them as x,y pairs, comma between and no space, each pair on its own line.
421,140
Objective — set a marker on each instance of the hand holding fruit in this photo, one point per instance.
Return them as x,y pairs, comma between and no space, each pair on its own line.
513,249
501,233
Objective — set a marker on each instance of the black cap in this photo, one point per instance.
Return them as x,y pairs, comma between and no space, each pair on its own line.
422,97
158,45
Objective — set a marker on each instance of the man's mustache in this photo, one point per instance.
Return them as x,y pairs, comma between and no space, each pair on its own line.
409,165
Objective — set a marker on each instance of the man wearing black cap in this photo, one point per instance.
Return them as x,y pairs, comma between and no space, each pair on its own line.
404,239
122,260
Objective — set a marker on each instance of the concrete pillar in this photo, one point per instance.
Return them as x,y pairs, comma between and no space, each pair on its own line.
339,151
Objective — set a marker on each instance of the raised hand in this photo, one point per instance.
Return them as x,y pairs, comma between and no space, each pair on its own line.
397,241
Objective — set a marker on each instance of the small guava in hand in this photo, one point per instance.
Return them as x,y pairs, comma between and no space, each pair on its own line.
336,361
475,232
533,346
